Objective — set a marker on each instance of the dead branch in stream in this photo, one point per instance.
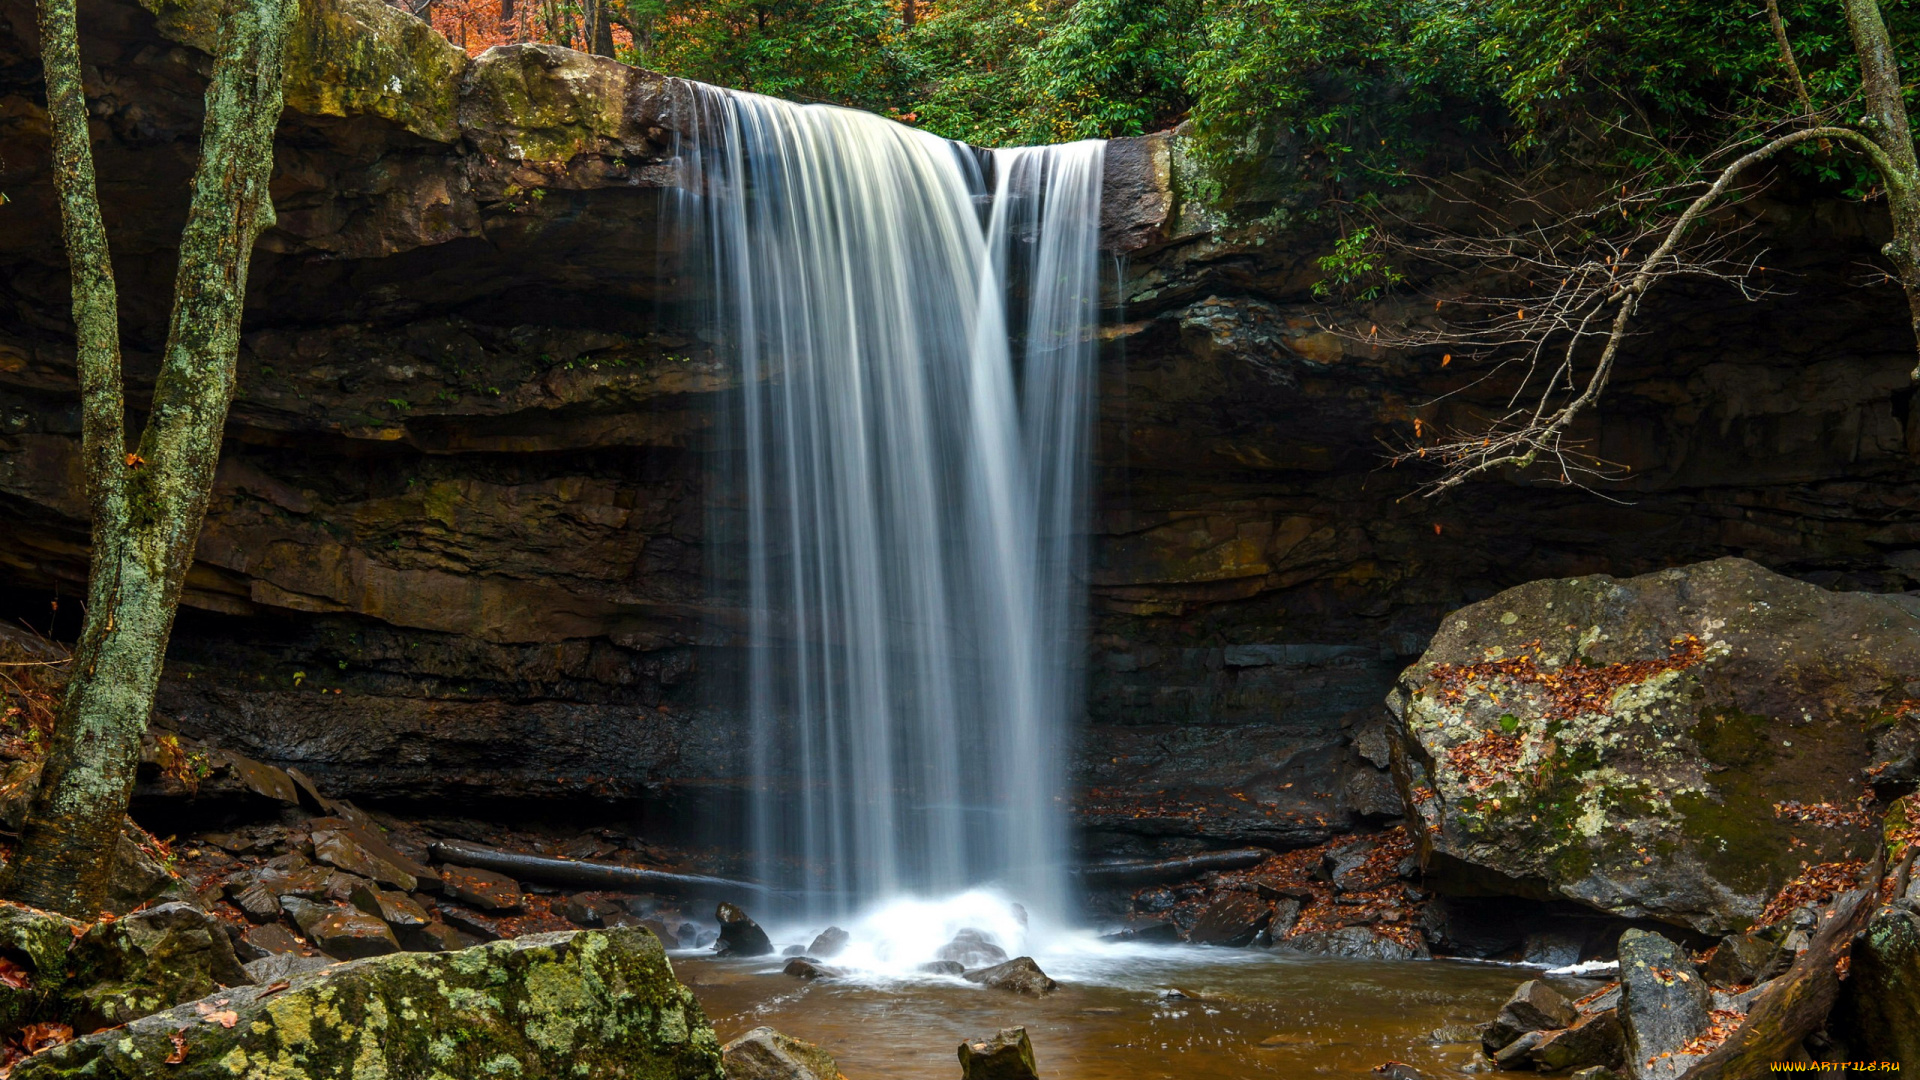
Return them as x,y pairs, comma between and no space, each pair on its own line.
1577,282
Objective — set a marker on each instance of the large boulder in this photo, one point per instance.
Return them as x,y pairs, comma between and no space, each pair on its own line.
1674,746
570,1004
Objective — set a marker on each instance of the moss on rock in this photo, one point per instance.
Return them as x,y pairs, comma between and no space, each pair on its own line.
583,1004
350,58
1673,746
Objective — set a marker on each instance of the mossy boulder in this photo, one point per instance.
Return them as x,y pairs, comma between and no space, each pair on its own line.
350,58
1675,746
148,961
580,1004
109,972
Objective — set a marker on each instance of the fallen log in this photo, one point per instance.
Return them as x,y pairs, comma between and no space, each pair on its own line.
1148,870
598,875
1796,1004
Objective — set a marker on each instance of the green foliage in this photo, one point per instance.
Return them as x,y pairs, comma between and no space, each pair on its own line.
1355,268
1601,68
842,51
970,59
1355,90
1112,67
1357,82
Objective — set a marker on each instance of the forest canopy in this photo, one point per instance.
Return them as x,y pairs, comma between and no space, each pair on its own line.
1359,81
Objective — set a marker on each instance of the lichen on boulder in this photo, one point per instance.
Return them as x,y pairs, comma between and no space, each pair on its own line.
580,1004
1674,746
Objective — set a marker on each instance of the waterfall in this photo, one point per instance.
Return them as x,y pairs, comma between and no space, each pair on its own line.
901,485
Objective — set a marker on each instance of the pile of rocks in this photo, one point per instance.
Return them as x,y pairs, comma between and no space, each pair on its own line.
1670,1009
305,877
1350,897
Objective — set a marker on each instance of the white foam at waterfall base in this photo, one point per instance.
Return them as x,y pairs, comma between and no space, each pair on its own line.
889,942
900,492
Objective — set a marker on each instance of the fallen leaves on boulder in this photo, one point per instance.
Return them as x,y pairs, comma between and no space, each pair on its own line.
37,1037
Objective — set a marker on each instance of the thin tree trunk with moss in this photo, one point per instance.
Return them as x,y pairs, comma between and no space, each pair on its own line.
147,504
1887,125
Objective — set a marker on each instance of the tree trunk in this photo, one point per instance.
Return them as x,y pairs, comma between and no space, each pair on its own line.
1888,126
909,14
148,505
602,40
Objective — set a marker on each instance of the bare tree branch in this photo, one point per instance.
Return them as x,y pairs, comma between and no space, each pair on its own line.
1596,290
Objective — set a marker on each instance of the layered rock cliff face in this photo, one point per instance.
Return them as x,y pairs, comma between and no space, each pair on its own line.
456,546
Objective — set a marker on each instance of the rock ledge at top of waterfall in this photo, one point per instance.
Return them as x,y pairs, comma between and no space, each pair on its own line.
1675,746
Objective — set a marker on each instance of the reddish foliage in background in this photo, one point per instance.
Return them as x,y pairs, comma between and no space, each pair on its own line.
479,25
1572,688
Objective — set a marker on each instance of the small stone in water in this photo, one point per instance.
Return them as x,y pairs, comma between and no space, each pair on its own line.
1020,975
740,935
830,942
972,949
805,967
766,1054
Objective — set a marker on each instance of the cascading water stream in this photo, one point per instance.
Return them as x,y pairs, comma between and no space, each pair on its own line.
902,481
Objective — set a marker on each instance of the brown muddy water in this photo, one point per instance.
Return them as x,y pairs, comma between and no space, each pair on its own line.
1246,1013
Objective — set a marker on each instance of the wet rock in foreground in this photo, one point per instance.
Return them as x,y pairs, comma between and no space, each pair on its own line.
569,1004
829,943
766,1054
1008,1055
1535,1006
1663,1004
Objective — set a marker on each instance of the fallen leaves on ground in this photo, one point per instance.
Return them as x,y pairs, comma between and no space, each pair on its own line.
179,1049
13,976
1816,885
1825,814
1721,1023
37,1037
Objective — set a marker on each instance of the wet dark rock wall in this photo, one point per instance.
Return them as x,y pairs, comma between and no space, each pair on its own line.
456,549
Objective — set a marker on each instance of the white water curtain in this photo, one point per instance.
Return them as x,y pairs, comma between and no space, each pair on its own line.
907,468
